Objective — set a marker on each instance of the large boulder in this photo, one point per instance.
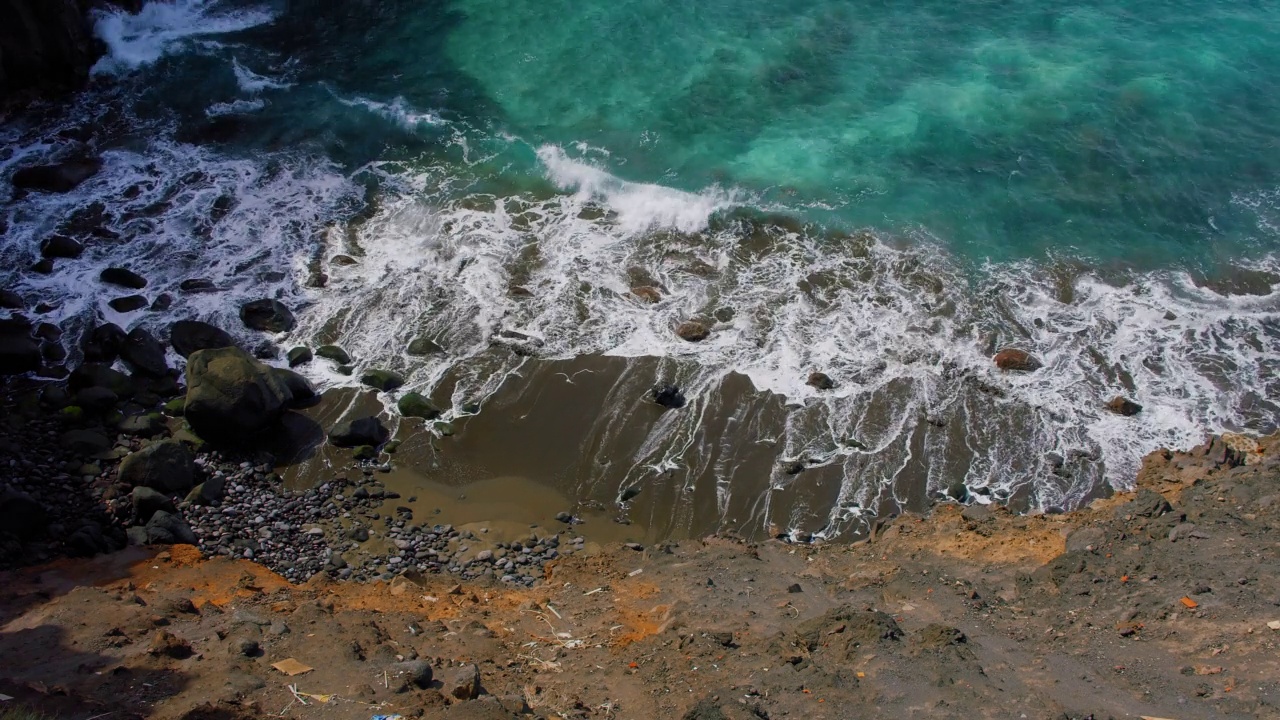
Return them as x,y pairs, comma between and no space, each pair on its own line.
693,331
167,466
147,502
102,343
101,375
61,246
267,315
384,380
142,352
123,277
58,177
360,431
189,336
232,395
299,387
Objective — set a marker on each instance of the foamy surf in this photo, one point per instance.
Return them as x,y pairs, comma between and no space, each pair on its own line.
138,39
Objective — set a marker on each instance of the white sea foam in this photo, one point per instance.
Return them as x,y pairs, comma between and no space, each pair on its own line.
252,82
235,107
159,28
397,111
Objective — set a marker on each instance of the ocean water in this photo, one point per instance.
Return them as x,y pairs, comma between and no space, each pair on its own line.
884,192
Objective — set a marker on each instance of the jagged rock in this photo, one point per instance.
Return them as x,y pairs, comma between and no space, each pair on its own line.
123,277
300,355
693,331
417,672
168,528
383,380
821,381
360,431
232,395
167,466
421,347
463,683
415,404
669,396
102,343
334,353
128,303
1016,360
267,315
57,177
189,336
1121,405
61,246
147,502
647,294
143,353
1147,503
21,514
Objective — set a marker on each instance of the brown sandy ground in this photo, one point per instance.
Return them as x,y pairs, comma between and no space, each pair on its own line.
1148,604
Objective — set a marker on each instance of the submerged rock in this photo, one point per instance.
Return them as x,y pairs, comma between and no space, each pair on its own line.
422,346
1016,360
1121,405
669,396
267,315
232,395
59,177
300,355
693,331
647,293
334,353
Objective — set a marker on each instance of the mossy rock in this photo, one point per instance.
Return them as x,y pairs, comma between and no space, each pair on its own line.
391,447
334,353
445,429
365,452
346,369
414,404
300,355
383,380
72,413
175,407
421,347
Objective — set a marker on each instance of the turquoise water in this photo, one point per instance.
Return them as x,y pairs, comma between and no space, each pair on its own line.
883,192
1133,133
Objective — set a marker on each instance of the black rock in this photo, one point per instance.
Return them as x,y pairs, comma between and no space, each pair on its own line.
267,315
188,336
10,300
147,502
103,343
44,266
197,285
300,355
299,387
669,396
58,177
96,399
123,277
61,246
821,381
360,431
129,303
143,353
334,353
102,375
162,302
384,380
167,466
168,528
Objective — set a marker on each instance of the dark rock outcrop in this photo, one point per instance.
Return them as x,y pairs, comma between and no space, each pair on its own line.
189,336
129,303
19,352
334,353
46,45
357,432
103,342
167,466
669,396
21,514
61,246
147,502
167,529
1016,360
143,353
1121,405
231,395
417,405
383,380
821,381
123,277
